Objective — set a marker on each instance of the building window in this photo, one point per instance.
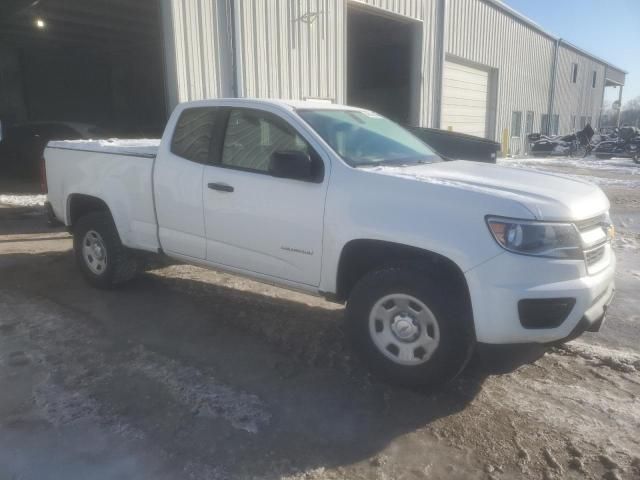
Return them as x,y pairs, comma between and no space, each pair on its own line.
583,122
574,72
555,124
516,124
544,124
593,80
588,121
573,122
528,126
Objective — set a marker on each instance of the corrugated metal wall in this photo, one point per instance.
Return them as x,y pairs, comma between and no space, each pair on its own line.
521,57
578,99
197,50
297,49
616,75
290,49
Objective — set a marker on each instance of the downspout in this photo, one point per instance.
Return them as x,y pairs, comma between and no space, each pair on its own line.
231,35
441,19
552,89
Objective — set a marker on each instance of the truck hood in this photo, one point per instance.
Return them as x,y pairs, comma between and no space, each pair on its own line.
547,196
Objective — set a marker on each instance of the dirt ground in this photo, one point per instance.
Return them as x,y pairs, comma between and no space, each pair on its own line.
193,374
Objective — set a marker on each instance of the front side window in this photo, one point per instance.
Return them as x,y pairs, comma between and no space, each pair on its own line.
253,136
364,138
193,133
516,124
594,79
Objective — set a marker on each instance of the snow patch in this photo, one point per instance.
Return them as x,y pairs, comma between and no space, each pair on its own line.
23,200
201,393
597,170
139,146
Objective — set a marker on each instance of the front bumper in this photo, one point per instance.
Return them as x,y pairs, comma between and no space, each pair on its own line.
497,286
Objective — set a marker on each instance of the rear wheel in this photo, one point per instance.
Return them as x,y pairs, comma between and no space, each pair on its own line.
411,329
101,257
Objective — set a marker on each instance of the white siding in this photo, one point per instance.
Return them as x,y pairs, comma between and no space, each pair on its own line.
197,50
482,33
580,98
615,75
297,49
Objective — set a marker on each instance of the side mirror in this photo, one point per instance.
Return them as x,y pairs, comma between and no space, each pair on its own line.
292,164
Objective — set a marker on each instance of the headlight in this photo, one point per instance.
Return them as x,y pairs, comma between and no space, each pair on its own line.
540,239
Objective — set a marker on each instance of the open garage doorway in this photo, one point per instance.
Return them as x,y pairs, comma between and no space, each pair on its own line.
78,69
384,57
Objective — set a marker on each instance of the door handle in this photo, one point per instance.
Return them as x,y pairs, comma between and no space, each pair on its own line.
221,187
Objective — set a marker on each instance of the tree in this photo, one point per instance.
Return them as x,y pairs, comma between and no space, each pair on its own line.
630,114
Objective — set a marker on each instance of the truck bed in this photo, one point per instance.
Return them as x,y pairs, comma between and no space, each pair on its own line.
143,147
118,172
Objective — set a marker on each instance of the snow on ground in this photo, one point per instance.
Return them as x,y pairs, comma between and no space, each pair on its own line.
598,171
140,146
23,200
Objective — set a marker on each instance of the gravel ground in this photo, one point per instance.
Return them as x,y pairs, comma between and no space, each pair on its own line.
194,374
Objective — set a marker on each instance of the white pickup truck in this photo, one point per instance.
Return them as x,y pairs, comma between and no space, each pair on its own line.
429,256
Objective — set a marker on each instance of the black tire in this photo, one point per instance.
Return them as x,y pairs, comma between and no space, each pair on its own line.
121,264
449,307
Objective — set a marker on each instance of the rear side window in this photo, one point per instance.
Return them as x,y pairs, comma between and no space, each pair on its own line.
193,137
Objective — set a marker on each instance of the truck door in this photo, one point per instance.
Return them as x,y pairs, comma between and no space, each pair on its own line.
255,221
178,174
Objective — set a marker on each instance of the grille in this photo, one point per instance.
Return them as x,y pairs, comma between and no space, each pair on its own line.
594,256
590,223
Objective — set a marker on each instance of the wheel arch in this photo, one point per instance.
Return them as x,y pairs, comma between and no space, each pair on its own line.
361,256
79,204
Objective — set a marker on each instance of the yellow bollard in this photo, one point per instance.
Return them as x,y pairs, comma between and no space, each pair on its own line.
505,142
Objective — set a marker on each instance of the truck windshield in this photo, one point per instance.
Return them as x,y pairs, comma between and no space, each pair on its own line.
364,138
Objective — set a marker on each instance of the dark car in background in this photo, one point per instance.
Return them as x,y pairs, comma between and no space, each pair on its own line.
22,145
458,146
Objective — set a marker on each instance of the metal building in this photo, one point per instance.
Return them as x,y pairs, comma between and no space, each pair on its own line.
474,66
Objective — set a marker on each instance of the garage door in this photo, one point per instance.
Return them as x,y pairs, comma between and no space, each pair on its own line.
464,99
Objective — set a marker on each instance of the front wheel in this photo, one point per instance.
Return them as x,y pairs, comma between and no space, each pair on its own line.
101,257
411,329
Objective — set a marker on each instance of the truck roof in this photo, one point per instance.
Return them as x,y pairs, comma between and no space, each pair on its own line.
283,103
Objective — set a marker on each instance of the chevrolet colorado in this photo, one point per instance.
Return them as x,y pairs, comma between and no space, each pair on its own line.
430,257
